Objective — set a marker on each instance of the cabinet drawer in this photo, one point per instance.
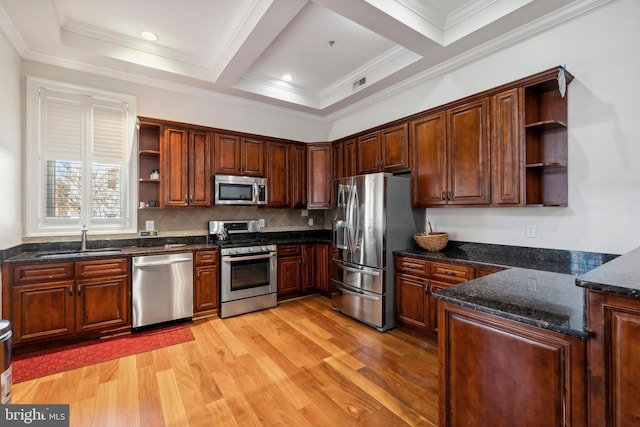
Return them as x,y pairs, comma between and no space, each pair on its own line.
451,273
288,250
412,265
102,267
42,272
206,257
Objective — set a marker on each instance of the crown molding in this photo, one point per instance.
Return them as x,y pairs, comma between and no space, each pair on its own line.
12,34
537,26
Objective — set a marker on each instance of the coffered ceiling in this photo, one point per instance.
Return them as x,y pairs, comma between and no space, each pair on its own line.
337,52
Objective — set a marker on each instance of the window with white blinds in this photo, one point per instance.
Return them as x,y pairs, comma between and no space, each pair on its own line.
84,143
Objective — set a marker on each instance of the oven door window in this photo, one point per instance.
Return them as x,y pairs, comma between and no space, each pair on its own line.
249,274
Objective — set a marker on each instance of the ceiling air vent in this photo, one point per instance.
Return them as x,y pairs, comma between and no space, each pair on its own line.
360,82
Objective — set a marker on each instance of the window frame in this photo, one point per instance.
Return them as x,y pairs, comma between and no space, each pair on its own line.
38,225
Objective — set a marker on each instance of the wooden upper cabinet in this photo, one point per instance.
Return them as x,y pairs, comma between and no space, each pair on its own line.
236,155
506,145
185,173
369,158
226,157
174,169
385,150
338,160
279,167
252,154
349,158
298,176
429,160
468,145
200,168
394,148
319,176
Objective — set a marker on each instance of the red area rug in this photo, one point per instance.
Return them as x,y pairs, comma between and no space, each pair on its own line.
40,364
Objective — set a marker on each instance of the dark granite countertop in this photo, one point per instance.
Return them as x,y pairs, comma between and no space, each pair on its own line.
620,276
69,251
543,299
503,256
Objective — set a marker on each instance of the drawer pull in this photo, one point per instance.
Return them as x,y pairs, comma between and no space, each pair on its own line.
450,273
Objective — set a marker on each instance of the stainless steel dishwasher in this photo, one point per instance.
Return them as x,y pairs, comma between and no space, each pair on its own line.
162,288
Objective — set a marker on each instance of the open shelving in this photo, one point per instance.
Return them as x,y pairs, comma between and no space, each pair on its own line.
148,160
545,131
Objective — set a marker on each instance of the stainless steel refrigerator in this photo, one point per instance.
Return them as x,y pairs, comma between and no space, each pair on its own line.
373,217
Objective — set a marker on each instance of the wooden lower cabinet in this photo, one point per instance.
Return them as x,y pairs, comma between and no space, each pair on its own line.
76,298
206,283
614,359
289,269
303,268
498,372
415,280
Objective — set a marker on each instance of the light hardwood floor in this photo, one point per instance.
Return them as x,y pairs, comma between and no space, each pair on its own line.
300,364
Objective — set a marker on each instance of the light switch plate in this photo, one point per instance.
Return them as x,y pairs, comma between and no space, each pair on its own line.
530,230
261,221
150,225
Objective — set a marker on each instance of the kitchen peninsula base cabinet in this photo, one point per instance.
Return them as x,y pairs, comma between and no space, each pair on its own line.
614,359
498,372
415,280
56,300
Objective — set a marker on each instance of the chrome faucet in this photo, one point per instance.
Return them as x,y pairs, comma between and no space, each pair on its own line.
83,245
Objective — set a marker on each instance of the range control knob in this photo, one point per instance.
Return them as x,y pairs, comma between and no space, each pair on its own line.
254,249
232,251
265,248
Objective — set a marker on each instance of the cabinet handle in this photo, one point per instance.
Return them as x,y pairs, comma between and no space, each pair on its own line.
449,195
70,290
444,195
186,198
79,288
198,275
192,197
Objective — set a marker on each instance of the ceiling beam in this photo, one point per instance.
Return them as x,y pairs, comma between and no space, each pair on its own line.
260,29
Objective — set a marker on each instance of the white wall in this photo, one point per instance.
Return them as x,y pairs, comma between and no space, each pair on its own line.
194,106
10,145
601,50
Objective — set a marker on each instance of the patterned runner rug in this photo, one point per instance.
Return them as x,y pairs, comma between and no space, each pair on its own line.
40,364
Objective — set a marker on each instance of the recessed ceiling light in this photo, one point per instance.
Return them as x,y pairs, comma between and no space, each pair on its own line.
148,35
287,78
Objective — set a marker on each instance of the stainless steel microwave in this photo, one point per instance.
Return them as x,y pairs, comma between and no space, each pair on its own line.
240,190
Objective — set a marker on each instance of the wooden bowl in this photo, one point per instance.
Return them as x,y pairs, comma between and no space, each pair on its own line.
431,241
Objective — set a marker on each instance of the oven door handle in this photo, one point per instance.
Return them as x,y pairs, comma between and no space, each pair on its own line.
229,259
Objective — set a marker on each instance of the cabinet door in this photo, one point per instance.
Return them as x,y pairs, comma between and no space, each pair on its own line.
349,163
101,303
174,173
368,152
429,160
278,174
308,267
226,154
411,300
199,168
486,360
506,145
319,176
321,266
298,176
252,157
338,160
289,274
432,305
614,365
205,290
44,310
395,148
469,166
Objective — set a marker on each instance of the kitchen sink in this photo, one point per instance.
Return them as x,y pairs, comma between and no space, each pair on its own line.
75,254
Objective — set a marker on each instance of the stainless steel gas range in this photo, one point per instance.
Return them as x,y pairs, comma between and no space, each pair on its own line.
248,276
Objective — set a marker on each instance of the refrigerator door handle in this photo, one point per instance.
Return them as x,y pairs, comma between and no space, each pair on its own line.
358,294
356,229
358,270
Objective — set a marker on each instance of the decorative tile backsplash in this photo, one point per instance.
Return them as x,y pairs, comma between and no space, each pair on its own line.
194,221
